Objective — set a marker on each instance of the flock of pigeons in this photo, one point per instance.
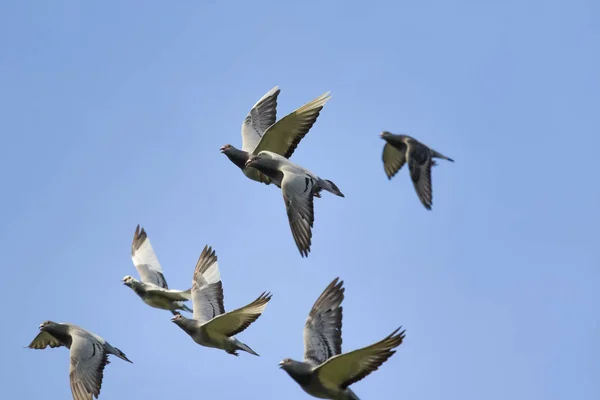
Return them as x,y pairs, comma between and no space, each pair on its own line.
267,145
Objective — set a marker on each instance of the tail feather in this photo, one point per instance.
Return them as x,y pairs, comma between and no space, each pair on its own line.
244,347
440,155
330,187
353,395
119,354
185,308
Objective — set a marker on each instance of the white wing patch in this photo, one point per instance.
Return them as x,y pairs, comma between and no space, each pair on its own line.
145,260
212,274
260,117
145,255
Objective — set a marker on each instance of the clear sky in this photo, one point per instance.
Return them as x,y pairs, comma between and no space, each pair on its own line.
113,114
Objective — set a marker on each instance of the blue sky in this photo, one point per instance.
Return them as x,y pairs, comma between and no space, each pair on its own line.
113,114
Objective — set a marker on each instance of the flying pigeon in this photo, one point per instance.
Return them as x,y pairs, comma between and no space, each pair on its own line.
211,326
298,186
261,132
402,148
88,353
325,372
153,288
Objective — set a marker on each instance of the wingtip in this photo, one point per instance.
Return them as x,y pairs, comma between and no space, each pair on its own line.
397,337
265,297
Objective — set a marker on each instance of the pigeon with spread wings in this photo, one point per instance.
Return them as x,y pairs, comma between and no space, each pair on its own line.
88,353
400,149
261,132
298,186
326,373
153,288
211,326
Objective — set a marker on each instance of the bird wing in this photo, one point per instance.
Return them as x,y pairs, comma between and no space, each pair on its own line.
259,119
234,322
298,188
43,340
283,136
345,369
323,328
207,289
175,295
145,260
393,159
420,173
88,359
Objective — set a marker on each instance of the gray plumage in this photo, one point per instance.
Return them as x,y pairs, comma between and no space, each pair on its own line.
400,149
298,186
211,326
261,132
88,353
326,373
153,288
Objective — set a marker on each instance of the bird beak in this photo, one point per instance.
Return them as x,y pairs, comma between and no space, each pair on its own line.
247,164
280,364
41,326
222,149
381,135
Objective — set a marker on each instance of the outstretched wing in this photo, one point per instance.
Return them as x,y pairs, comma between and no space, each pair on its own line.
234,322
145,260
298,191
259,119
88,359
207,289
393,159
420,173
43,340
343,370
323,328
283,137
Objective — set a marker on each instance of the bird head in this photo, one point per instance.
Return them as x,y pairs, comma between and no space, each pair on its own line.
128,280
385,134
177,318
295,368
46,324
286,362
225,149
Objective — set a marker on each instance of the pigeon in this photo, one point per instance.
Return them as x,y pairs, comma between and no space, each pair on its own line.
88,352
298,186
402,148
153,288
261,132
211,326
325,372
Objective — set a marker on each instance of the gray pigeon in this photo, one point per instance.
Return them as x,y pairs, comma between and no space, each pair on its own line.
402,148
261,132
325,372
298,186
88,353
153,288
211,326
